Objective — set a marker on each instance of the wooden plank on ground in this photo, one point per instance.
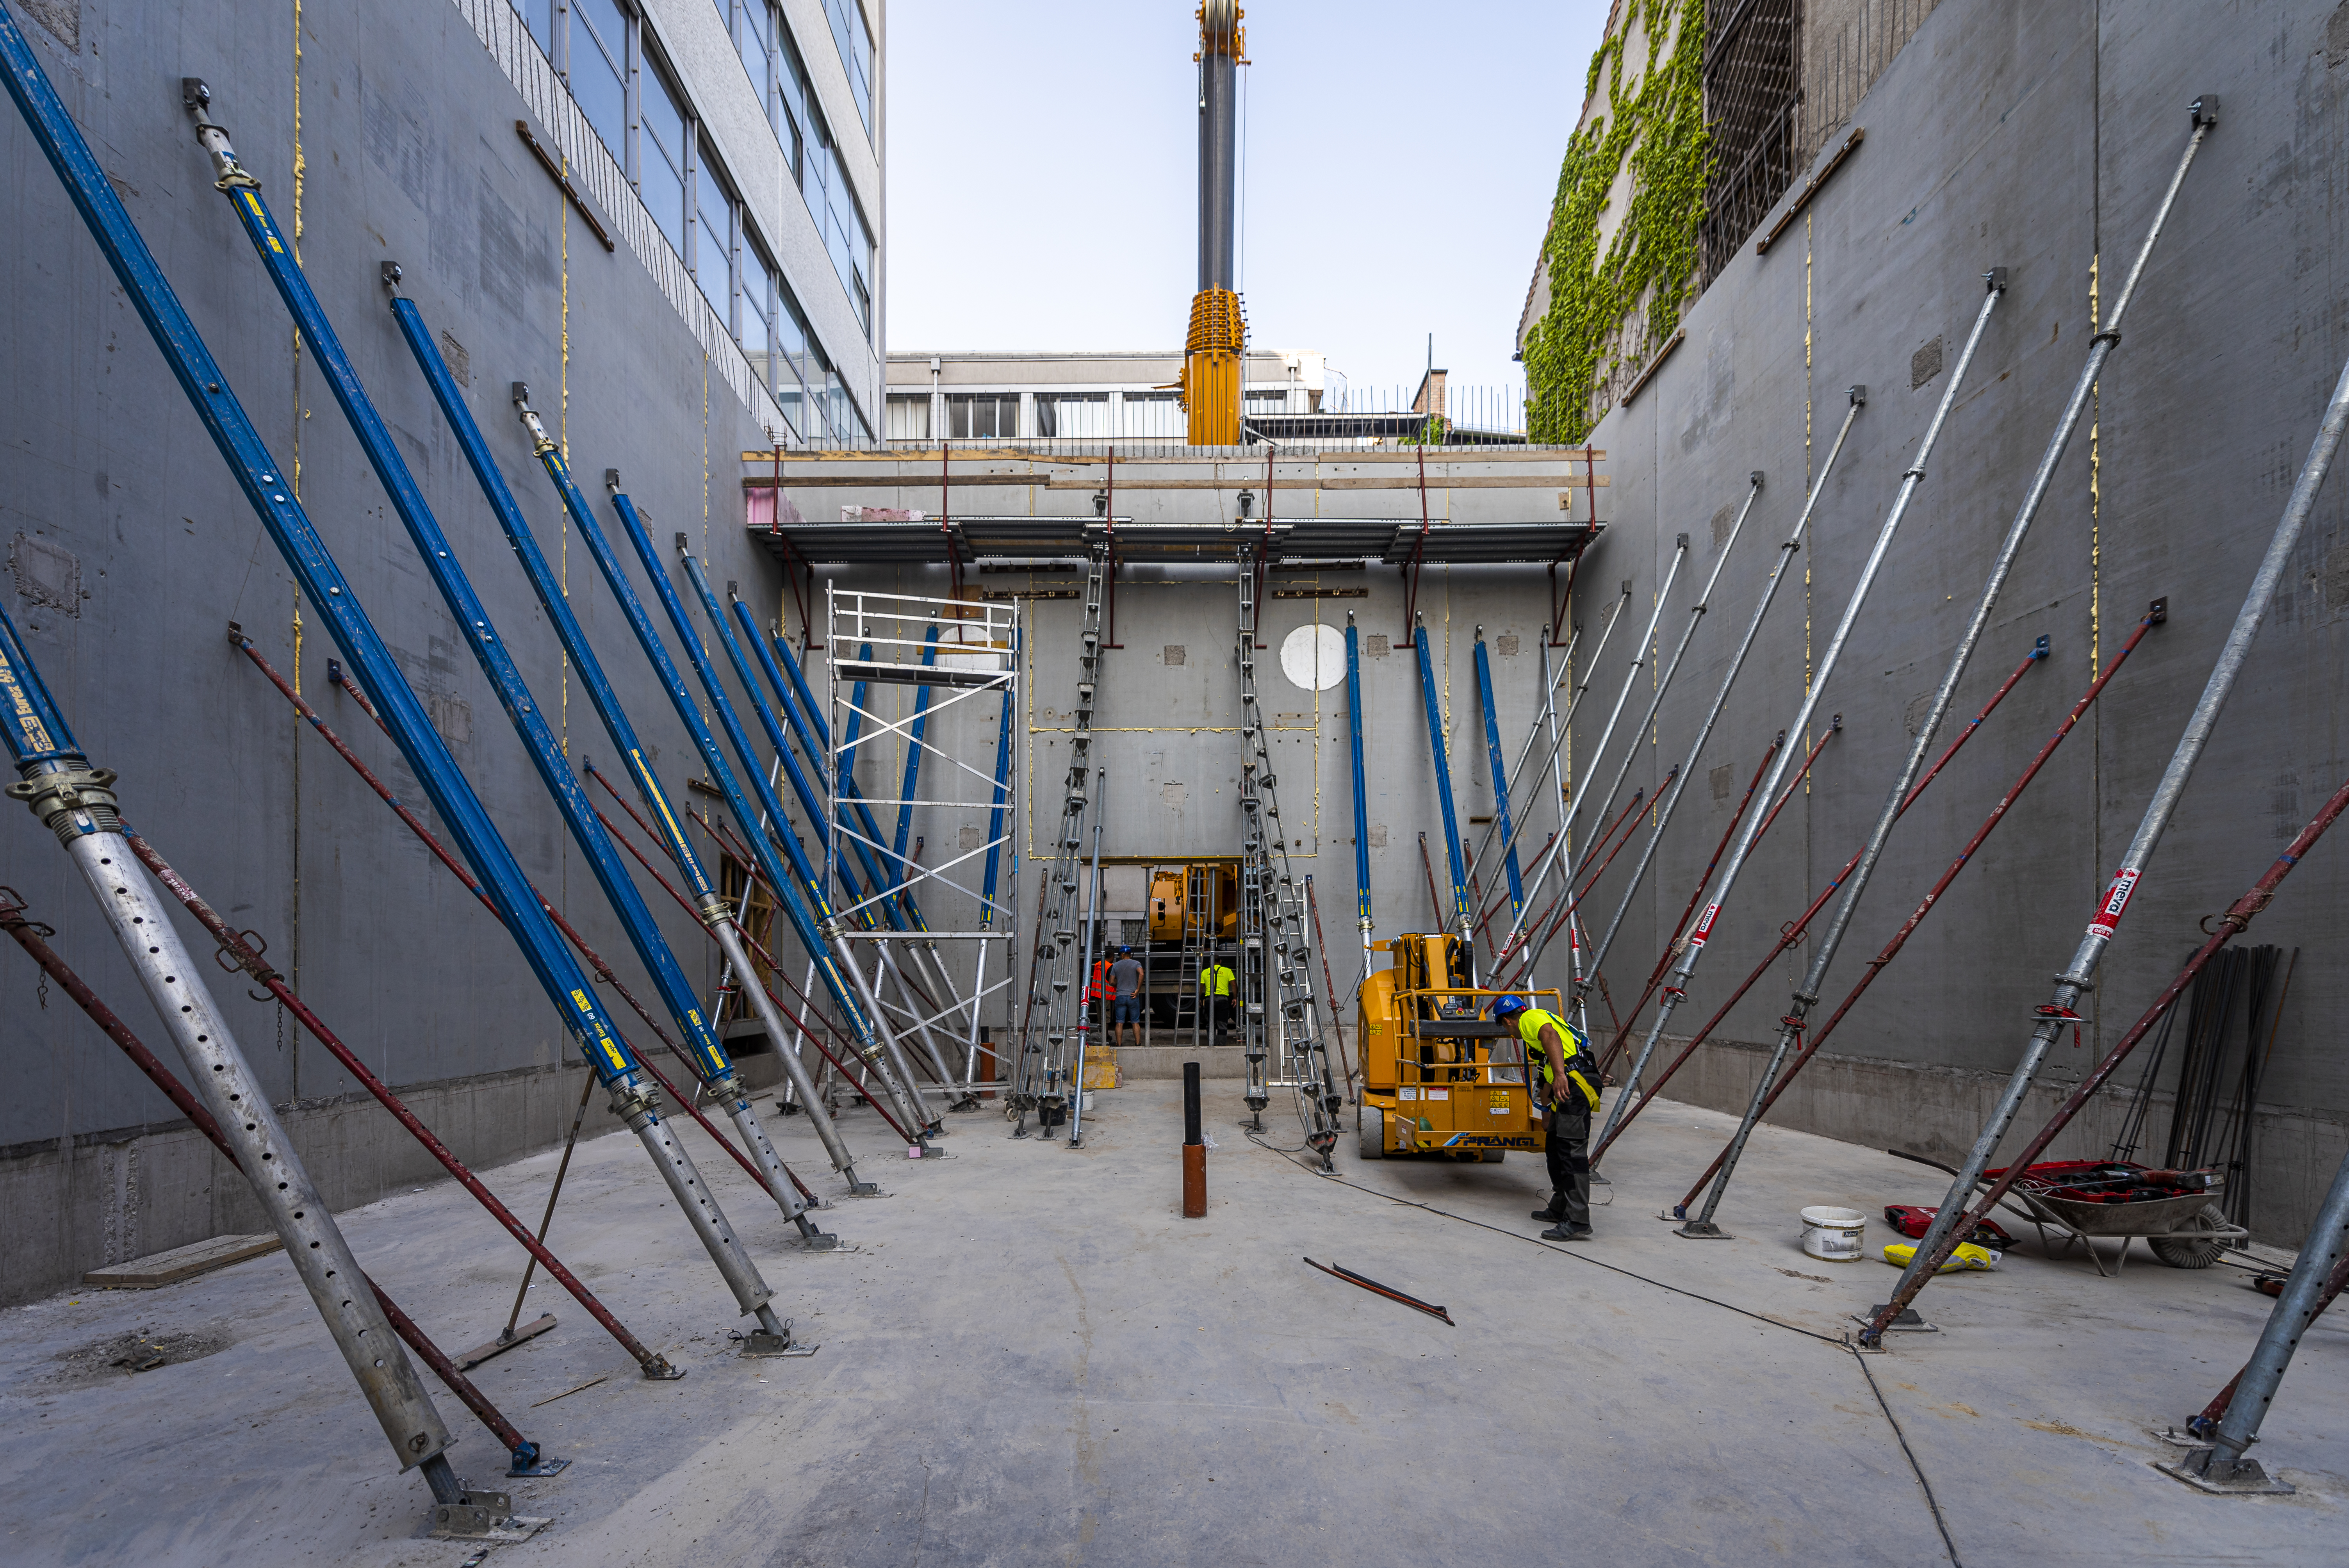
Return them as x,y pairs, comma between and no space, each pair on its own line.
522,1335
180,1263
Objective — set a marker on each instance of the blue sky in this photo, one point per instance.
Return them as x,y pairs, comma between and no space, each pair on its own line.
1399,163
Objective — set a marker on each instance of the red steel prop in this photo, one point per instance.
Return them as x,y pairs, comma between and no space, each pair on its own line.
2153,617
2230,925
1793,931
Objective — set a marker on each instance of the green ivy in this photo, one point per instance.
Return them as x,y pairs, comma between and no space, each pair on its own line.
1659,127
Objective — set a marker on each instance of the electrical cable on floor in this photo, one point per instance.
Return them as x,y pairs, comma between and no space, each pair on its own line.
1839,1342
1931,1501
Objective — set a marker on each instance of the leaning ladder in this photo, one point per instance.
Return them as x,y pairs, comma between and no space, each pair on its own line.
1280,1020
1057,983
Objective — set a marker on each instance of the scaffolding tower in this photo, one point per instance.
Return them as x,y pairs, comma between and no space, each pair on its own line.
956,653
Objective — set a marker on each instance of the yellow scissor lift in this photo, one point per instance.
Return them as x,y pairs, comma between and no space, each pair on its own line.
1439,1078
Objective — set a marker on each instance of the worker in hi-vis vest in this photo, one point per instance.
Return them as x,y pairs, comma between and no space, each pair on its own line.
1215,993
1568,1094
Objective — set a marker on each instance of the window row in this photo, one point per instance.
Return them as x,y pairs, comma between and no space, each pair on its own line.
648,127
780,78
1055,416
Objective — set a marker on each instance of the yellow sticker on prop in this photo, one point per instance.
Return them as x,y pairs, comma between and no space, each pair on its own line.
580,999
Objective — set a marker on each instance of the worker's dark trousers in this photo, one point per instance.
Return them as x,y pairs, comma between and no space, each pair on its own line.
1566,1147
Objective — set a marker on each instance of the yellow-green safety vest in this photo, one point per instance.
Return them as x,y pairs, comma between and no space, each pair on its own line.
1216,980
1530,1024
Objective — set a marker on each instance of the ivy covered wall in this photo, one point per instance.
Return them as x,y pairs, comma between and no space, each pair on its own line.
1608,313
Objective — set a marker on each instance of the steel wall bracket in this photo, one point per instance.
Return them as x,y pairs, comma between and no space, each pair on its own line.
482,1516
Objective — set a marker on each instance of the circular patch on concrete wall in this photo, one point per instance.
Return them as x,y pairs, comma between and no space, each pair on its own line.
1314,656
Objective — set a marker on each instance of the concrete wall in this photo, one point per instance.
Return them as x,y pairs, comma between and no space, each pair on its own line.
2039,139
406,150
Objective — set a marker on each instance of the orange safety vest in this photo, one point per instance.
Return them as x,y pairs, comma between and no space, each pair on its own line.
1100,987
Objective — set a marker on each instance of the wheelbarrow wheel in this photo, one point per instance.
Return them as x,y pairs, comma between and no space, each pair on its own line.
2189,1250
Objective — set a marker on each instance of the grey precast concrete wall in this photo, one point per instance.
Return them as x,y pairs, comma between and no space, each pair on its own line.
131,551
2038,138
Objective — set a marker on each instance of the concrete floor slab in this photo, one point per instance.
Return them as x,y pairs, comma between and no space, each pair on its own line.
1030,1356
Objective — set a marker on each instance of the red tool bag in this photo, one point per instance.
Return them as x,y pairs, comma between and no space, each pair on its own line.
1911,1219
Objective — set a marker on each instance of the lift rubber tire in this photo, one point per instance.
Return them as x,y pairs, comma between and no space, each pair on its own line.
1370,1132
2188,1251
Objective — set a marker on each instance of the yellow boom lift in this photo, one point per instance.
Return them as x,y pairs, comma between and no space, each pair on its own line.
1439,1077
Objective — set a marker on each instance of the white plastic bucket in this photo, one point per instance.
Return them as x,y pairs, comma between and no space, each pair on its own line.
1833,1234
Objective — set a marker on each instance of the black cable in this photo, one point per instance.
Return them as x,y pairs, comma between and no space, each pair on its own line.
1839,1342
1931,1501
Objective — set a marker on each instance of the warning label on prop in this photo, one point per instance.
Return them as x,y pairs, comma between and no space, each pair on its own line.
2117,899
1704,927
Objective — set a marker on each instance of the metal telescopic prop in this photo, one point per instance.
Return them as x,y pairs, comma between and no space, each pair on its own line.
1663,685
76,801
1607,734
903,902
1560,729
525,1456
1557,797
2229,925
709,1058
1533,734
899,906
2079,977
1462,912
779,826
1676,990
1362,794
734,1264
323,586
1091,951
1798,929
2221,1467
813,939
998,799
233,944
1500,775
1892,949
1806,994
1655,703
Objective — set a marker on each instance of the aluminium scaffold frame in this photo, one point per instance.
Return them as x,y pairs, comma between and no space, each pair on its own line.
955,653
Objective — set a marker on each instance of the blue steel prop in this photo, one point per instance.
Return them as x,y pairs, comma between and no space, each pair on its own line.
322,583
1462,915
813,938
424,531
904,911
1361,797
1499,768
724,631
76,801
811,917
708,1058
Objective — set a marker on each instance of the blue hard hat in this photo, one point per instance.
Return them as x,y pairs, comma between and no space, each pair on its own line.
1507,1008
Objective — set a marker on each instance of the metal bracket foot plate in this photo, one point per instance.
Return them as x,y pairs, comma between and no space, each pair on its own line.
765,1344
1704,1231
482,1516
2246,1479
1907,1322
546,1466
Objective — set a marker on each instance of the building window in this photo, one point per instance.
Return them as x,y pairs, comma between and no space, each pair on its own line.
717,222
909,416
1750,97
661,166
1072,415
597,66
1151,416
982,415
847,239
538,16
855,43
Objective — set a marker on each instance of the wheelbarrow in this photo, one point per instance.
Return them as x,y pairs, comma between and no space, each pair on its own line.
2186,1230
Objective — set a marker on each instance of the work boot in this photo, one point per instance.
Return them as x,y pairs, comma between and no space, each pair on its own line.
1565,1232
1556,1213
